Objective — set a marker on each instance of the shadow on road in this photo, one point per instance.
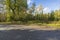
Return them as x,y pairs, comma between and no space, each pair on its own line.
29,35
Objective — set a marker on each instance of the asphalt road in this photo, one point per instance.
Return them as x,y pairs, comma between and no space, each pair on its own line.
29,34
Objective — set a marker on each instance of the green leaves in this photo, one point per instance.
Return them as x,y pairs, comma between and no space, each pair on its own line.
16,7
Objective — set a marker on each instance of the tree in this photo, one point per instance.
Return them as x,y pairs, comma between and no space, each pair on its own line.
57,15
2,17
51,17
16,7
32,8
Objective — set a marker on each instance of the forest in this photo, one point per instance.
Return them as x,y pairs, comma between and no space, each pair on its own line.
17,11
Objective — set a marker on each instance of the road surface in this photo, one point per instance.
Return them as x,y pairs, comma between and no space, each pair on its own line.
17,32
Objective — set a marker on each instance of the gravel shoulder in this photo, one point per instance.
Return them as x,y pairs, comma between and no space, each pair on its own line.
23,27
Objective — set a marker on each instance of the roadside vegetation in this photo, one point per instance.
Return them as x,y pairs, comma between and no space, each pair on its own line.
17,12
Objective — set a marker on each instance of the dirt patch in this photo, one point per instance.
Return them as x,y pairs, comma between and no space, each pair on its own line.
36,27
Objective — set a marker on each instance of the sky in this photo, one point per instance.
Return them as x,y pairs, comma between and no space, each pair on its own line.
48,5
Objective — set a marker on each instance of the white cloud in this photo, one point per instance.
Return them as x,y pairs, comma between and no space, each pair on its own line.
46,10
29,1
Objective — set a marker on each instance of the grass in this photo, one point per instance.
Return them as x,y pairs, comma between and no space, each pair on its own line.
53,24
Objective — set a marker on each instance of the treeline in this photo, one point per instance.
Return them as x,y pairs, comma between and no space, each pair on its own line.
16,10
26,17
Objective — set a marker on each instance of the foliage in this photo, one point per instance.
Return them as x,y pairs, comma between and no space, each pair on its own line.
51,17
16,12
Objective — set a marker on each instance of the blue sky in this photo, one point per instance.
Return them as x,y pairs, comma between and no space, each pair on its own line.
47,4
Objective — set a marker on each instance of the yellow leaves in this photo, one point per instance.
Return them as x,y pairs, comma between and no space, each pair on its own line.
7,16
57,14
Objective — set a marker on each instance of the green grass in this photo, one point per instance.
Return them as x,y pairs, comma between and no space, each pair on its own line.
53,24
